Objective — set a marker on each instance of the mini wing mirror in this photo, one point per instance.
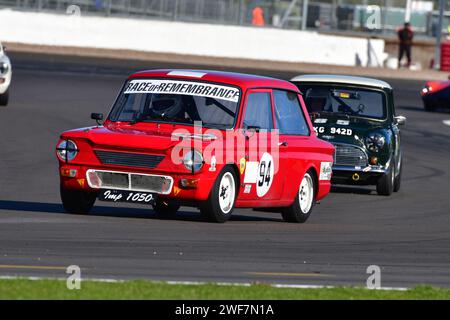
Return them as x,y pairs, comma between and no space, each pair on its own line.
400,120
98,117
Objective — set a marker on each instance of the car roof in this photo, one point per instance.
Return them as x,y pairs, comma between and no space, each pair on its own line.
341,79
245,81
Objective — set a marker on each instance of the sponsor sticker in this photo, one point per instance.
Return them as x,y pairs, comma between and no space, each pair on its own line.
247,188
265,174
212,168
251,172
325,170
343,122
183,87
320,120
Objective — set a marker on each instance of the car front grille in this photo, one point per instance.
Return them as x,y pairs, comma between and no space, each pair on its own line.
347,155
101,179
140,160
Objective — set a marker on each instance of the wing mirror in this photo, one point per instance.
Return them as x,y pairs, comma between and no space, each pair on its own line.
400,120
98,117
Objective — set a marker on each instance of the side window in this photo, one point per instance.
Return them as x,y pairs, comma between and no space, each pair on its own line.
258,112
289,114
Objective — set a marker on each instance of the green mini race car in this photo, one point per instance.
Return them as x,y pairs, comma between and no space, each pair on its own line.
357,115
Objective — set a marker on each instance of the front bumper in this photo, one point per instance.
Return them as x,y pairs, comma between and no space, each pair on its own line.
357,175
76,178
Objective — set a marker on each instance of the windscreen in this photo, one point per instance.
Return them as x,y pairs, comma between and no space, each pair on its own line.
344,100
173,101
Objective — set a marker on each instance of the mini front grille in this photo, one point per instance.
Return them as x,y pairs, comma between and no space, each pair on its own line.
347,155
140,160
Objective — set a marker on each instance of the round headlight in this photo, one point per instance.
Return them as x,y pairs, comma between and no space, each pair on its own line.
67,150
375,142
193,160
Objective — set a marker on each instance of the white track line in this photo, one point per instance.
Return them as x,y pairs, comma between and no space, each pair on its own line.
446,122
199,283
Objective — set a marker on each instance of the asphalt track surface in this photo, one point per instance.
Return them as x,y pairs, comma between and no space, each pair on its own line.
407,234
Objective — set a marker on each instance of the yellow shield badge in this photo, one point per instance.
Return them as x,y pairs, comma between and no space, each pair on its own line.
242,165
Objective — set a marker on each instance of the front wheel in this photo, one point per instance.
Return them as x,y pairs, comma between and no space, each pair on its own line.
220,203
301,208
398,178
385,184
4,98
76,201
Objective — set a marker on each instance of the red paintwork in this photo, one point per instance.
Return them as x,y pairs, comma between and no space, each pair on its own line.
434,86
302,153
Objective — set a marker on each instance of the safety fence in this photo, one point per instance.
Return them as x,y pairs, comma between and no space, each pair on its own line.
379,16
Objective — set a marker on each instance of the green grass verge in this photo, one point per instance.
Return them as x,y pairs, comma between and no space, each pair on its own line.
56,289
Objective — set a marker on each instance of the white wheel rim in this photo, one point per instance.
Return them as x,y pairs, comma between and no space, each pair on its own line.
226,192
306,193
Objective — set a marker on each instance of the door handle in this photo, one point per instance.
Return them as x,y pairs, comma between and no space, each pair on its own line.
282,144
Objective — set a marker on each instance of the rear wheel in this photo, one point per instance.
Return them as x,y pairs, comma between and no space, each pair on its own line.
220,203
385,185
301,208
76,201
165,209
4,98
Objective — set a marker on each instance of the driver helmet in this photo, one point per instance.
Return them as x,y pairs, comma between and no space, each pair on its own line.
167,106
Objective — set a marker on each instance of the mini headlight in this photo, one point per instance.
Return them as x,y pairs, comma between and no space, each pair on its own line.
375,142
67,150
193,160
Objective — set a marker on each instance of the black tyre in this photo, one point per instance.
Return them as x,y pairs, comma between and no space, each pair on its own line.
385,185
220,203
300,210
78,202
4,98
429,106
165,209
398,178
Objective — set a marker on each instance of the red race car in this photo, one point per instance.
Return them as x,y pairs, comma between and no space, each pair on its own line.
436,94
212,140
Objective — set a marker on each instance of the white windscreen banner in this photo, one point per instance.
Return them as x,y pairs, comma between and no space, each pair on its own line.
183,87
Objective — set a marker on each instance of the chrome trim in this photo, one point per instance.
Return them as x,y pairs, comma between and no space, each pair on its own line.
129,181
335,144
374,169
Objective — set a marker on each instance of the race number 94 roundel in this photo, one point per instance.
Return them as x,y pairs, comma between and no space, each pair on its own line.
265,174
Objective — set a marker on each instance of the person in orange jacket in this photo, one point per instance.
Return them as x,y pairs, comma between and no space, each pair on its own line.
258,16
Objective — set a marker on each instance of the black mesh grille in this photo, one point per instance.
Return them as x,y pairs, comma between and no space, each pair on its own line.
350,156
140,160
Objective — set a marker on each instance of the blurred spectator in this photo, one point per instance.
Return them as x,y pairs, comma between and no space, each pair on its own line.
258,16
405,37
